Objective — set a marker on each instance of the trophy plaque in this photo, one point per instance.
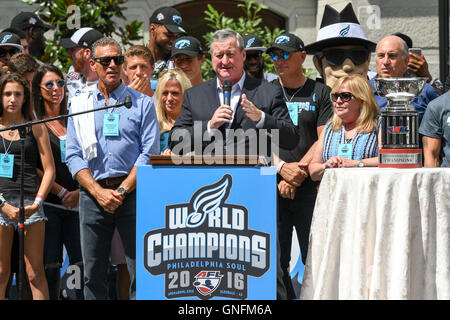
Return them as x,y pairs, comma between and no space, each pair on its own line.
399,122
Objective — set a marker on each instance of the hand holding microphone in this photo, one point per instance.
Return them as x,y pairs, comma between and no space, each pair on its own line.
224,114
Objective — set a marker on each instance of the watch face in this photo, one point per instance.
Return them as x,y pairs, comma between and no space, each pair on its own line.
121,190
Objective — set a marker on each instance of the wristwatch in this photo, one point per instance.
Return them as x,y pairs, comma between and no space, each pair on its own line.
438,84
360,164
122,191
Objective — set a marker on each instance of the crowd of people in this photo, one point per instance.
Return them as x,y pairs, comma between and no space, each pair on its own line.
80,172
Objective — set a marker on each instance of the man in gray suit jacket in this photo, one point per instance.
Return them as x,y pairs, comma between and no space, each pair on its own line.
257,112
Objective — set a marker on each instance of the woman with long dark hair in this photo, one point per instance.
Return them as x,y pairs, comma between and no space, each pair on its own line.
61,206
16,109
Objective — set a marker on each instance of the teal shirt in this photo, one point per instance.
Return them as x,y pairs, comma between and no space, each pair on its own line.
164,141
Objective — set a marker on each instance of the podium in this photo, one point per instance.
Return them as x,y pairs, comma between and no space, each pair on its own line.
206,229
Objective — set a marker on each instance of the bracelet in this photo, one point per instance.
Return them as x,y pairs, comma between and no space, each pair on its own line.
62,193
280,165
2,200
39,200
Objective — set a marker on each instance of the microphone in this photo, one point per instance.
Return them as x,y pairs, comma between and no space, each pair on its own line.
127,102
226,87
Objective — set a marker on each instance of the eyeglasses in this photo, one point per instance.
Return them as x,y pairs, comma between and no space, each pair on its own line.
180,60
345,96
106,61
49,84
11,52
337,56
256,55
283,55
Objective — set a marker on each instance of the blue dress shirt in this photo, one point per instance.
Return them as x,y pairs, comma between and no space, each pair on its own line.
138,137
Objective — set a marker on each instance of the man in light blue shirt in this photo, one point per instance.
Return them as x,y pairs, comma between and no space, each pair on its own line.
102,153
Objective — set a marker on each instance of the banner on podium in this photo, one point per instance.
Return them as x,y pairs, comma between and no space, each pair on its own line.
206,232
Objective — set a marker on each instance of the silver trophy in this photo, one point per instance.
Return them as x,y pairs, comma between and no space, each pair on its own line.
400,122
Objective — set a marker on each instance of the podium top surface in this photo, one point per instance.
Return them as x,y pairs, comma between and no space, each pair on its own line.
174,160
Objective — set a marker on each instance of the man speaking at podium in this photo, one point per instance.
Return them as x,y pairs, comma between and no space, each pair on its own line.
103,150
206,118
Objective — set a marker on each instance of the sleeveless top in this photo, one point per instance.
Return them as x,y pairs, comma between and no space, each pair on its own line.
364,145
10,187
63,176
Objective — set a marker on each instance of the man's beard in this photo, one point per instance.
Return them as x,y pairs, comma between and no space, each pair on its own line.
259,73
37,47
163,50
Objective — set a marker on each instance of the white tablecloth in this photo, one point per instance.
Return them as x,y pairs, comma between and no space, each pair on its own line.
380,234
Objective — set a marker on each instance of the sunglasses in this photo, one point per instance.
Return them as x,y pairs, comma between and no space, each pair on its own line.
105,61
11,52
345,96
253,55
283,55
49,85
337,56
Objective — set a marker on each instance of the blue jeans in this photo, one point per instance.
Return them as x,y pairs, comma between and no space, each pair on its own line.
97,229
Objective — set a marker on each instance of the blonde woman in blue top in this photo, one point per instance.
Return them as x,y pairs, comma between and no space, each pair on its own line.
168,99
352,136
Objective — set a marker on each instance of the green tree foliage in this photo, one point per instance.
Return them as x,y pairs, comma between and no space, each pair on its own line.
248,23
102,15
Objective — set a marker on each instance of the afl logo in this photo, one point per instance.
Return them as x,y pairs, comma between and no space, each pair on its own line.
282,39
181,44
206,282
6,38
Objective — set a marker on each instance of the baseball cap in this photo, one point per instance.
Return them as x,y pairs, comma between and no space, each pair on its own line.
168,17
405,38
83,37
25,20
288,42
187,45
11,40
253,42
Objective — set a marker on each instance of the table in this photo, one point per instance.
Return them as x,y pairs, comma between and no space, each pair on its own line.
380,233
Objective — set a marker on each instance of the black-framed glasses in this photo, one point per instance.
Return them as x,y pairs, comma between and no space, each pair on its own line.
11,52
336,57
105,61
275,56
59,83
345,96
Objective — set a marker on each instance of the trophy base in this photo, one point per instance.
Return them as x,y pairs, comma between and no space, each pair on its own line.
400,158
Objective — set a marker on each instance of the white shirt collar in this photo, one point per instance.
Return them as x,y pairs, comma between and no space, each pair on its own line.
240,83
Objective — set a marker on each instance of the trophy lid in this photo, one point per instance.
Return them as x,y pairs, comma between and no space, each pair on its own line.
399,89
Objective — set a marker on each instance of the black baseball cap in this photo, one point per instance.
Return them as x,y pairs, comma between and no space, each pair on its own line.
288,42
25,20
187,45
170,18
84,37
253,42
405,38
9,39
